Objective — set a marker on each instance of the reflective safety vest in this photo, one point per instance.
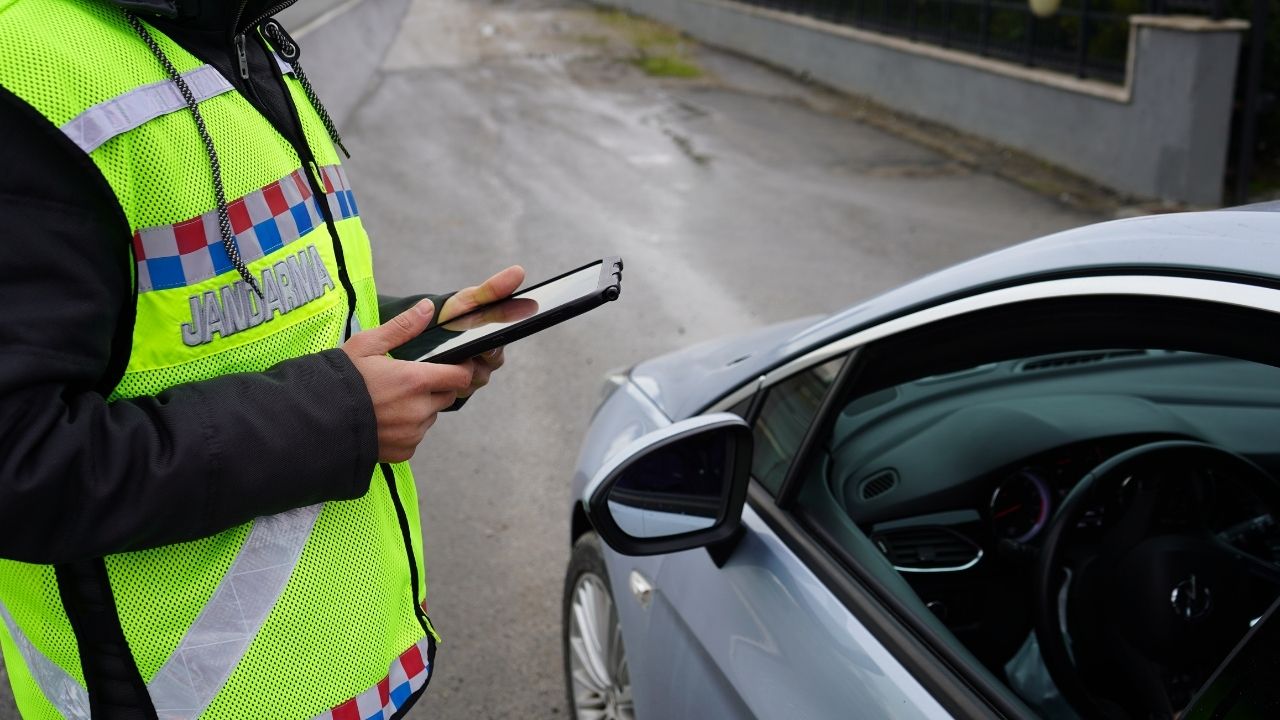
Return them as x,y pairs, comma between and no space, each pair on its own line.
316,612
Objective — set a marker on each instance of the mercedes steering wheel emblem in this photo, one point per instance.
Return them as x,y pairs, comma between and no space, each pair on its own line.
1190,600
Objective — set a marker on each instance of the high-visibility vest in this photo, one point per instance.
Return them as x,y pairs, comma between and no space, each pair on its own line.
316,612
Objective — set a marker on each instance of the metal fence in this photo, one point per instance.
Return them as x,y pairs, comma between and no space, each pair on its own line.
1004,29
1085,38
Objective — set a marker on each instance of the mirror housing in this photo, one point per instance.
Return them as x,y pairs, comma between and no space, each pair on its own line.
675,489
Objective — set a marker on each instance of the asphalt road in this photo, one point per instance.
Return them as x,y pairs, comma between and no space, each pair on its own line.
503,133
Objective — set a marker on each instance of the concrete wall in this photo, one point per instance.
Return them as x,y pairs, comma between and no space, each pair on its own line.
1163,134
343,47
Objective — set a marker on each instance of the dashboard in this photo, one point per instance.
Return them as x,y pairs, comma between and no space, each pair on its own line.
955,478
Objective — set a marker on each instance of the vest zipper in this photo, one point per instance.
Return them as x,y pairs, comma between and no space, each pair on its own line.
241,55
237,41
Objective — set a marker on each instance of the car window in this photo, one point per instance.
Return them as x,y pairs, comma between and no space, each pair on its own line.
940,475
789,408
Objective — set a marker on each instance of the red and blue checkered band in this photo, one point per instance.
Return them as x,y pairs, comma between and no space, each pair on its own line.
185,253
409,673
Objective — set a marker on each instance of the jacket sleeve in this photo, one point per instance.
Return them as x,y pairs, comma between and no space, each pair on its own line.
81,477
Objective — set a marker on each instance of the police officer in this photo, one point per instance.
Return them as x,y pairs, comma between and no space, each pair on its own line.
205,509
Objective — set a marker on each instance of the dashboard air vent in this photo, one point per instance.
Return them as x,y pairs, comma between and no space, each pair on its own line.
928,549
878,484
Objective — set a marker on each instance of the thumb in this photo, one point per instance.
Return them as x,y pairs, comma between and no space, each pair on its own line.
392,333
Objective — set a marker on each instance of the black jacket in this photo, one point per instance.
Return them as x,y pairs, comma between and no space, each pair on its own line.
80,477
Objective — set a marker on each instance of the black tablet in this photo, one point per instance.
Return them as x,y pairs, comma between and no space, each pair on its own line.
524,313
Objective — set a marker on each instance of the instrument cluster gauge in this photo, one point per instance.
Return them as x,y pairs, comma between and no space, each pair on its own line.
1020,506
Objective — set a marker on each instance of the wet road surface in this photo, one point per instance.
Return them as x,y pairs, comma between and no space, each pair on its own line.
501,133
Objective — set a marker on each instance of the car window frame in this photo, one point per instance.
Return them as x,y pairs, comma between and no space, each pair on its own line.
761,398
962,685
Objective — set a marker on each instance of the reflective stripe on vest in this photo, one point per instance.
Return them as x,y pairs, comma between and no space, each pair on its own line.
230,620
117,116
263,221
93,127
61,690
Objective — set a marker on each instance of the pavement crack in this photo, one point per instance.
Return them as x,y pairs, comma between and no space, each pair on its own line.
686,147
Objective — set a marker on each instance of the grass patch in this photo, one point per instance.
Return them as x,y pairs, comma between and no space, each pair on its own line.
668,66
660,51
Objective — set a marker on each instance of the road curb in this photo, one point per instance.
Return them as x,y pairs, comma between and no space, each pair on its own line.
343,49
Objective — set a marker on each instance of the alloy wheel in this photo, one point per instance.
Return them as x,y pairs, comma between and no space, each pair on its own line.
597,661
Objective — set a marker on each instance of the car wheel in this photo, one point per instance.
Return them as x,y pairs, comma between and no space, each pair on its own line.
596,677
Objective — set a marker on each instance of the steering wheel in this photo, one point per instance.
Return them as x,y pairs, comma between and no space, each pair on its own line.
1155,599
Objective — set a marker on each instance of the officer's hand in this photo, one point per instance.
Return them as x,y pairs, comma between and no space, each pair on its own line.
406,395
486,363
494,289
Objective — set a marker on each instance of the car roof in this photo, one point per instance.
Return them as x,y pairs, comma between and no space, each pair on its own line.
1242,243
1239,243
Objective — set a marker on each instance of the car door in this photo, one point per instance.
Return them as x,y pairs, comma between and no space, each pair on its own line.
762,636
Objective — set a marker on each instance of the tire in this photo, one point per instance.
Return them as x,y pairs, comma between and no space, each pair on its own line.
597,680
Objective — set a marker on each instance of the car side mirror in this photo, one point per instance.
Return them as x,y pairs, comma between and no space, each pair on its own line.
677,488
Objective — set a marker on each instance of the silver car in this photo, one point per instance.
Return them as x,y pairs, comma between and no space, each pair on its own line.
1037,484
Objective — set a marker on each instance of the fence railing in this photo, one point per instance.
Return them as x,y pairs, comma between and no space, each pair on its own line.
1085,38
